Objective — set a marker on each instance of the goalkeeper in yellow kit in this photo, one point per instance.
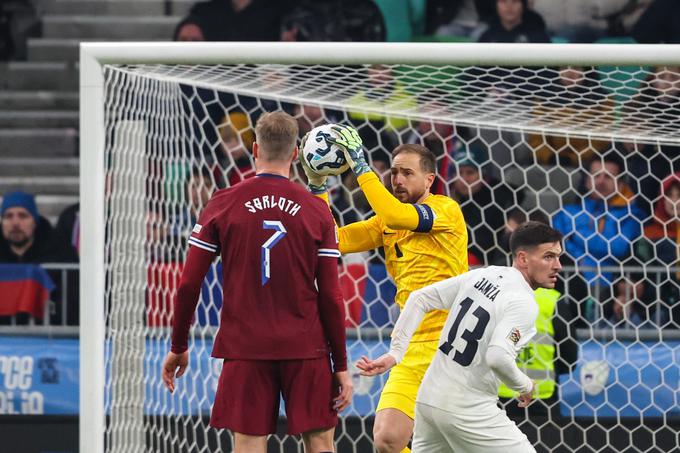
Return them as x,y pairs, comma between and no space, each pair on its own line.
425,241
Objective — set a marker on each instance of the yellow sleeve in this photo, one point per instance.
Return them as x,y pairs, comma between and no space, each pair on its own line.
360,236
395,214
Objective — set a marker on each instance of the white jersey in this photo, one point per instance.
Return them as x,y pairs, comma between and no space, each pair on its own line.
489,306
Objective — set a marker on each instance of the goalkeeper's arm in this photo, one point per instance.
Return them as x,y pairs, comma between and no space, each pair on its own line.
395,214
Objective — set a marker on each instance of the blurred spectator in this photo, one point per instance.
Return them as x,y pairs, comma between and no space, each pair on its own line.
457,17
234,159
28,237
68,226
660,248
585,21
659,99
515,22
233,20
576,97
439,137
600,230
660,23
500,256
346,20
625,309
483,201
349,203
310,116
198,190
18,21
380,92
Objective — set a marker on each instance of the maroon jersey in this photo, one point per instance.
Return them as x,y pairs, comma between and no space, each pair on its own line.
274,237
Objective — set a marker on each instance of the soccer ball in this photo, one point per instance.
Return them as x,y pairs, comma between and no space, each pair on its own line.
323,157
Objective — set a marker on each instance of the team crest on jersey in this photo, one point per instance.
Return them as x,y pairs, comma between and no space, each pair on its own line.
514,335
197,228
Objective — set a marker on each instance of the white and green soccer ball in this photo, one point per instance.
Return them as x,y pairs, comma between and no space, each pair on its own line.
322,156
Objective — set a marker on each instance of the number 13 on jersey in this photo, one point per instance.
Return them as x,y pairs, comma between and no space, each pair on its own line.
279,233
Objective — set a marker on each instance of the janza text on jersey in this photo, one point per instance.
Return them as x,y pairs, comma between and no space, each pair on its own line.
487,288
272,201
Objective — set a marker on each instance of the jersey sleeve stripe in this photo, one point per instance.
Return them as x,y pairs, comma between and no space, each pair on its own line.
202,245
425,218
329,252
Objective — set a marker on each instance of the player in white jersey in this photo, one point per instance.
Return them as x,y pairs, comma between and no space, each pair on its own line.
492,317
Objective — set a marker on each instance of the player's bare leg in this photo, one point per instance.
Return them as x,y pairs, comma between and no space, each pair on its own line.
392,431
319,441
243,443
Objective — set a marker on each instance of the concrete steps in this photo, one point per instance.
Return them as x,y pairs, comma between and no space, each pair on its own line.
38,100
52,185
117,7
31,75
38,143
53,49
51,206
41,166
38,118
110,27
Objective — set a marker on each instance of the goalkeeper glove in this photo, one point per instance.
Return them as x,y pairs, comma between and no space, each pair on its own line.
316,182
352,146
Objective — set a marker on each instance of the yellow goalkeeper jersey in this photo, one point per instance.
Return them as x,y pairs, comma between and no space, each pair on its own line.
424,244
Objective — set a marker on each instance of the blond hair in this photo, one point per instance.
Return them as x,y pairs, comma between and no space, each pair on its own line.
276,135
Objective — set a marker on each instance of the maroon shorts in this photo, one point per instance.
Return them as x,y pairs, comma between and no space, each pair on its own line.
248,394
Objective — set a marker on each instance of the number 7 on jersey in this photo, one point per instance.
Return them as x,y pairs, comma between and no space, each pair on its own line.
279,233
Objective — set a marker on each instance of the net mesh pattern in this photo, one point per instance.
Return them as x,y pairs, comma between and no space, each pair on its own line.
592,150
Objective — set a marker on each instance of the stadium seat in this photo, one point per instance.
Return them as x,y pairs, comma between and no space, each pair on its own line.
623,81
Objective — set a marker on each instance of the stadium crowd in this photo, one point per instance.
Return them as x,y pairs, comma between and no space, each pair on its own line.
619,205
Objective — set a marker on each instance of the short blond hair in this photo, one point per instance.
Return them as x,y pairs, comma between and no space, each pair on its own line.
276,135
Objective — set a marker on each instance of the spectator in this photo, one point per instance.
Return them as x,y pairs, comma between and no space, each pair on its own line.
439,137
586,21
660,23
601,229
515,22
234,161
347,20
233,20
28,237
500,256
575,98
309,116
456,18
658,102
68,226
483,201
381,92
660,248
198,189
625,309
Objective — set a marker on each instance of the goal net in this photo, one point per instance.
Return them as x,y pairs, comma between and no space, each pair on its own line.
589,145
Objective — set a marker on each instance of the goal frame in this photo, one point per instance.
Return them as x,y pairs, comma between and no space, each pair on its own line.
93,58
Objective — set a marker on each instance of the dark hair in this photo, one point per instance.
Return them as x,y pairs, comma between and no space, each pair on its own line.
612,158
532,234
427,157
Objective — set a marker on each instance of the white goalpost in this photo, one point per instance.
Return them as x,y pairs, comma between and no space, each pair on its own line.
162,125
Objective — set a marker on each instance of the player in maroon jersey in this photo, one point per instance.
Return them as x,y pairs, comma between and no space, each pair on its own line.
278,332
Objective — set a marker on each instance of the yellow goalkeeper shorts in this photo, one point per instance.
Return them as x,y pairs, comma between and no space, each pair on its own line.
401,388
